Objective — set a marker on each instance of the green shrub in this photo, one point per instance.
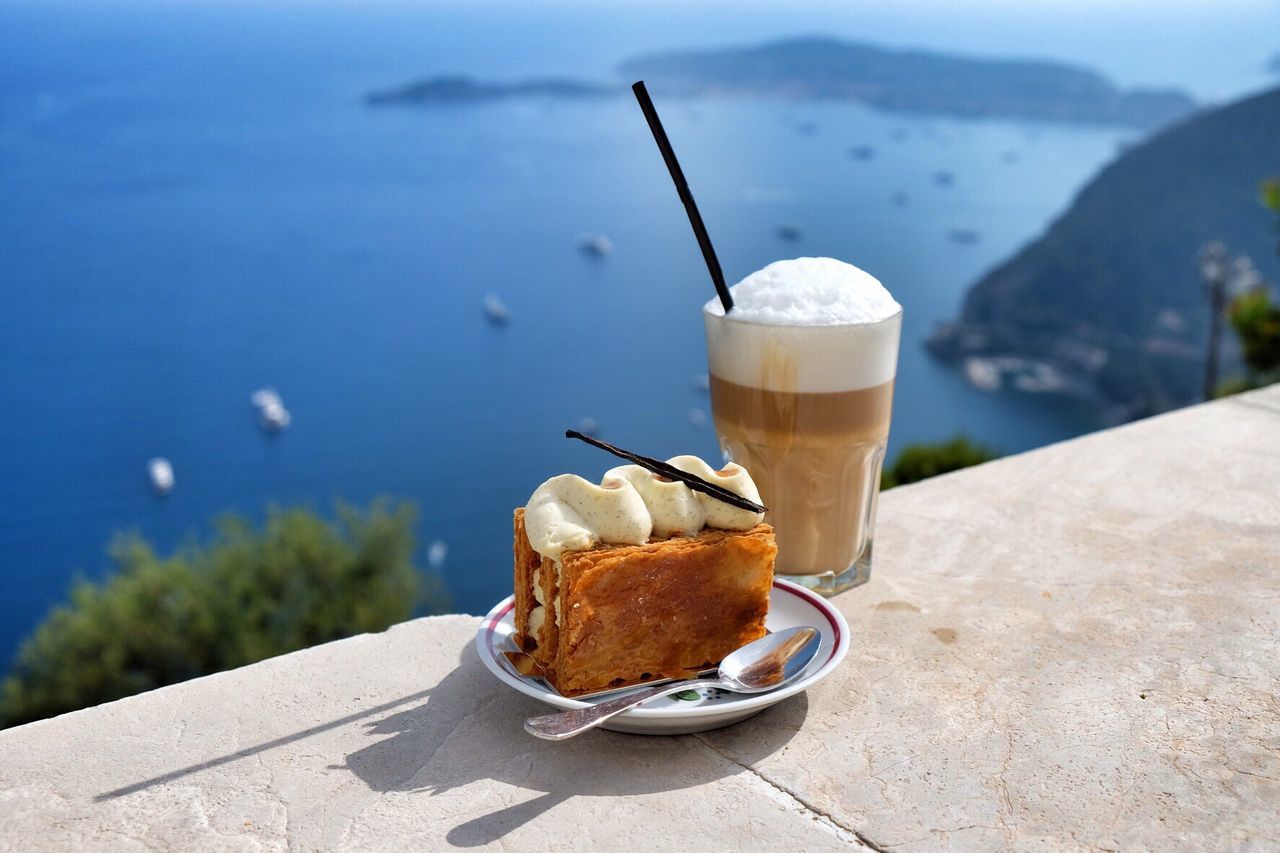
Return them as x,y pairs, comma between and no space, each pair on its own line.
1255,318
1256,321
248,594
917,462
1270,191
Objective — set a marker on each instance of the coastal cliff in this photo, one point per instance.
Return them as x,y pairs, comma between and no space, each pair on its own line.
1107,305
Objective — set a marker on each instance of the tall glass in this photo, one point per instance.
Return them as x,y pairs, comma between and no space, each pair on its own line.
805,409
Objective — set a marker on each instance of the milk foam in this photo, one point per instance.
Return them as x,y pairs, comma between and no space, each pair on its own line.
807,325
809,292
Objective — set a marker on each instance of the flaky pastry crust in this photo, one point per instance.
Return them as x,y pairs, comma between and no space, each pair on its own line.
636,613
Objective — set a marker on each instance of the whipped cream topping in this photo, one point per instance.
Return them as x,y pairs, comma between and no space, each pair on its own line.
568,513
732,477
672,506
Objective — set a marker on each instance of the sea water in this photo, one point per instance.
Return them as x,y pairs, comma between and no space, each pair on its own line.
194,203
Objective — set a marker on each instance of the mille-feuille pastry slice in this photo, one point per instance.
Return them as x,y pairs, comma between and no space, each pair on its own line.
639,578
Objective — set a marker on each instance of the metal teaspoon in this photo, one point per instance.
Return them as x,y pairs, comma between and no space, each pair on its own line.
766,664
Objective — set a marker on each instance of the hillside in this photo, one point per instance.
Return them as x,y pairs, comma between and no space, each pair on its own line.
1110,296
909,80
902,80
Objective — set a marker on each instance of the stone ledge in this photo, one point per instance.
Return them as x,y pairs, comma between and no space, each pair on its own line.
1074,647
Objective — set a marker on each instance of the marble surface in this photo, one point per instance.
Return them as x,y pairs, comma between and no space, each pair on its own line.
1074,648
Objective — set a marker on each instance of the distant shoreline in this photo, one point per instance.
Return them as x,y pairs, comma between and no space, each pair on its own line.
832,70
460,89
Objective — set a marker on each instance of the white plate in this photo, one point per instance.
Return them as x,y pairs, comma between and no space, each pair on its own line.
789,606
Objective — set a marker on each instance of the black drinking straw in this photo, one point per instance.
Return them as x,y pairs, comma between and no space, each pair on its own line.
682,188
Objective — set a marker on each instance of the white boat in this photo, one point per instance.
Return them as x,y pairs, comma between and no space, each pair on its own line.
964,236
496,310
273,417
436,553
596,245
160,472
263,397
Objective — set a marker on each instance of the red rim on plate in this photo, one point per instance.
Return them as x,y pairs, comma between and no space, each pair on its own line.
487,644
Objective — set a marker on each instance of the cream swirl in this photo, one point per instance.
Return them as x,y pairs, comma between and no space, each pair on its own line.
732,477
568,513
672,505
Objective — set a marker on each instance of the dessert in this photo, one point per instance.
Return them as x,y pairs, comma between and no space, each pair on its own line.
641,577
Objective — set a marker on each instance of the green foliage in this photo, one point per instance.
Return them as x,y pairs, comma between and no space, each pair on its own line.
1256,321
918,462
247,595
1236,385
1271,194
1271,199
1255,318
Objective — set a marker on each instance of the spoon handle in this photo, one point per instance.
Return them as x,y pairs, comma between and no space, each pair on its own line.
575,721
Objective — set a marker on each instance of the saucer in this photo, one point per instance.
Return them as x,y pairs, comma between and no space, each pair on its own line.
690,711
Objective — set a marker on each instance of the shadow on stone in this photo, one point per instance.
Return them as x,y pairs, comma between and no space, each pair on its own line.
487,829
274,743
470,730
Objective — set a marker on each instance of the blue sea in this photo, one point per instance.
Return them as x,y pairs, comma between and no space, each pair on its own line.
195,203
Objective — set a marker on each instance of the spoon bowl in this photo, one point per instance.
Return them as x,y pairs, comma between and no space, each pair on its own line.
770,661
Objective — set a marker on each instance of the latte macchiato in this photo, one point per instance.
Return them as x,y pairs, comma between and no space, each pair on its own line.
802,373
